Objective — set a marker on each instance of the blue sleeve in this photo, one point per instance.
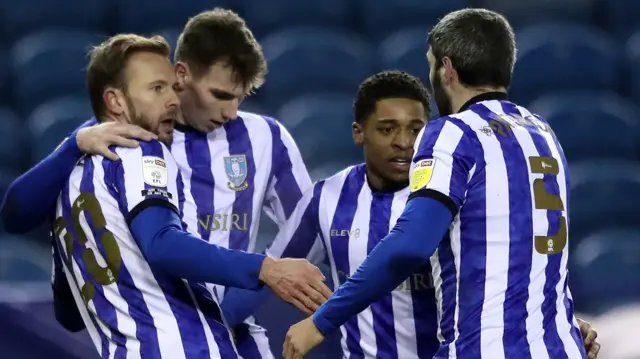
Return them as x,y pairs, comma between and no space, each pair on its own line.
30,198
299,237
158,231
399,254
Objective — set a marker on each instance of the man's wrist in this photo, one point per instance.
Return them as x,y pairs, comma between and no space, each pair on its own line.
324,326
266,268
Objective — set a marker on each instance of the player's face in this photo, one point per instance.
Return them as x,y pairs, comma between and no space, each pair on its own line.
435,77
152,102
211,100
387,138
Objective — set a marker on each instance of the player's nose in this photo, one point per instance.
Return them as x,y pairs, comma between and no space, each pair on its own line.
403,140
230,111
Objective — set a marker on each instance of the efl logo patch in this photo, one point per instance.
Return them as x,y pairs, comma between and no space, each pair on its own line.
422,174
154,171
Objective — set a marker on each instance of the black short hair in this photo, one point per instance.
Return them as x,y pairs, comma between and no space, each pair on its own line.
480,44
385,85
221,35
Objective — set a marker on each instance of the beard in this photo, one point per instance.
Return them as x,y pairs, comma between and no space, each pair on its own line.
442,100
150,125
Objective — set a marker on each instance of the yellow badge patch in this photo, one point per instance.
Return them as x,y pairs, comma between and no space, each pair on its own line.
422,174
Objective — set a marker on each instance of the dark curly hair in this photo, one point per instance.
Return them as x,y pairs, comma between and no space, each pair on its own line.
385,85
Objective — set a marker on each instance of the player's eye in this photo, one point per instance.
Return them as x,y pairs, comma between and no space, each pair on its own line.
385,129
158,88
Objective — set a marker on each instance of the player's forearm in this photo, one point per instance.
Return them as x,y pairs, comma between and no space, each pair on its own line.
239,304
158,232
409,245
30,197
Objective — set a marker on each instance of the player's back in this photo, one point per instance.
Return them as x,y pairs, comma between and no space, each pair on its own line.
128,308
501,272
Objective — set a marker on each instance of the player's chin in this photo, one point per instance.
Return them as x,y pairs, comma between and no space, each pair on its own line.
166,138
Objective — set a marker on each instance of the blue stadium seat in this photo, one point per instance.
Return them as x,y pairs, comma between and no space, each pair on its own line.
50,64
620,16
633,65
7,175
528,12
146,16
171,35
51,122
5,75
604,270
556,57
12,146
592,125
25,16
304,60
406,50
287,13
604,194
382,17
321,126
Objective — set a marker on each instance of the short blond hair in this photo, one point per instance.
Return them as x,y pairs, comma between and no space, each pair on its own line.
109,59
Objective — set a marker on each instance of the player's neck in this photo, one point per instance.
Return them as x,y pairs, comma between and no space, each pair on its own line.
465,95
379,184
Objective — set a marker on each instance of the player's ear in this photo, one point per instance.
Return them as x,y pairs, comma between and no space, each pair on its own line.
358,134
114,100
182,73
448,72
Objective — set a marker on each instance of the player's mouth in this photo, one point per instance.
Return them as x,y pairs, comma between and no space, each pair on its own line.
401,163
168,123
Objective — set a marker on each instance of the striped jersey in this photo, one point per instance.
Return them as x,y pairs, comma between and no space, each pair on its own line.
129,309
230,176
341,219
501,272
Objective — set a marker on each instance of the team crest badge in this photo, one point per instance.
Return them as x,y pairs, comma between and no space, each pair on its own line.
236,168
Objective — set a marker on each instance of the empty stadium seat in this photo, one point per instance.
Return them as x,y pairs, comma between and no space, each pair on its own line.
604,269
406,50
633,65
604,194
50,64
146,16
305,60
321,126
286,13
21,17
592,125
620,16
5,75
528,12
12,146
554,57
381,17
51,122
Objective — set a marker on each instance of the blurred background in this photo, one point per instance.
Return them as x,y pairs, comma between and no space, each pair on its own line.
578,66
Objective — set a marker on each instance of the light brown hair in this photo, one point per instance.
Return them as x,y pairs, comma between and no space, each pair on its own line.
108,61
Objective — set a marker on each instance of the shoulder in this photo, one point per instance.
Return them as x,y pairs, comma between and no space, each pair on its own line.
350,175
153,148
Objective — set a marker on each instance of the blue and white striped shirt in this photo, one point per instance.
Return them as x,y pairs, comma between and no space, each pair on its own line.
341,219
130,310
501,272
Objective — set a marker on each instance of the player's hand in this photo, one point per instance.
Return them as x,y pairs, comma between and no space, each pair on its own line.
589,335
300,339
296,281
95,140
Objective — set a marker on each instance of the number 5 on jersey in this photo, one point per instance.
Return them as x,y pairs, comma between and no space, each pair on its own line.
547,201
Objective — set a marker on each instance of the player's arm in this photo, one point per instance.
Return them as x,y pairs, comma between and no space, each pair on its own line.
289,177
64,306
439,179
298,238
29,199
146,183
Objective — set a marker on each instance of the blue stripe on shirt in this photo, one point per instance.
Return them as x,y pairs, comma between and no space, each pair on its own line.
344,215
